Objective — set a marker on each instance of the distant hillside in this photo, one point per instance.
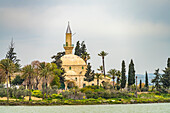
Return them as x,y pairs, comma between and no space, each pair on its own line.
142,77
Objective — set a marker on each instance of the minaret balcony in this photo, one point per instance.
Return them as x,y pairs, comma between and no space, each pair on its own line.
64,45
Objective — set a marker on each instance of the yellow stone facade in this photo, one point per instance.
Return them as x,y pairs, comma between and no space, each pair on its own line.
74,66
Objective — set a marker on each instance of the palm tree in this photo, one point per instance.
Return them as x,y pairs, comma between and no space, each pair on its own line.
28,72
45,72
100,69
103,54
37,77
8,66
113,72
118,74
98,77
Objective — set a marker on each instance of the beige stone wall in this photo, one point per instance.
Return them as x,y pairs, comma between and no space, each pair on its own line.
78,78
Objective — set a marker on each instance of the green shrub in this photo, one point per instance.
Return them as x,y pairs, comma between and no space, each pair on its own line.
83,90
2,92
73,94
144,89
1,85
56,96
37,93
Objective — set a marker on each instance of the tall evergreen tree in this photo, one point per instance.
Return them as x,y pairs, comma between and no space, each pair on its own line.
81,51
123,78
89,76
146,80
131,74
12,56
77,49
168,63
83,48
140,85
166,76
157,79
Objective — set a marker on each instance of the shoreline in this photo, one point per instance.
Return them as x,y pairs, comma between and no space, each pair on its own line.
77,102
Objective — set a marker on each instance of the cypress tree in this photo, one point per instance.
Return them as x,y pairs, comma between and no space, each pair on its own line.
89,76
146,80
83,48
77,49
140,85
131,74
123,71
168,63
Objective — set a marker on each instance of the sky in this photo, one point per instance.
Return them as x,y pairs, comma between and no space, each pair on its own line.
125,29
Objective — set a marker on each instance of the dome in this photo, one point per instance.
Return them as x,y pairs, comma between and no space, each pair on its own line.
71,59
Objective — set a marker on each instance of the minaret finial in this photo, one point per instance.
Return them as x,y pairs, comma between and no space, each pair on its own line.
68,28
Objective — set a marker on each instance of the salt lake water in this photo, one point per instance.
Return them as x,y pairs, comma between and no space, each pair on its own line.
118,108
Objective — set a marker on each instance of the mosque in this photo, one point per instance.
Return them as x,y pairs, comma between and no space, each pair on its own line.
74,66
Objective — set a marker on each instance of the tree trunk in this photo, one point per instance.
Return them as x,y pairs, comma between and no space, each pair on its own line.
46,87
36,85
136,88
29,87
103,66
43,88
9,80
98,83
113,84
7,86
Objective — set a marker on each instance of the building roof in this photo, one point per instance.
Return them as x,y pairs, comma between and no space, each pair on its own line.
70,59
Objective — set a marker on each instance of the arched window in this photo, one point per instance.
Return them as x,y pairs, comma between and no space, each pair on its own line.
92,84
70,68
76,78
82,67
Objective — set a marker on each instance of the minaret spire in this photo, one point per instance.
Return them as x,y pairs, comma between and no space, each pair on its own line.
68,28
68,46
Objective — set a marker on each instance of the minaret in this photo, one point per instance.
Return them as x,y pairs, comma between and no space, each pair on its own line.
68,46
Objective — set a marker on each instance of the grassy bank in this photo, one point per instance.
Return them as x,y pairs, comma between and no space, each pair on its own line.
142,98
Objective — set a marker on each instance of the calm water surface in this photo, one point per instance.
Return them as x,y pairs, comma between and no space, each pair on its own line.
125,108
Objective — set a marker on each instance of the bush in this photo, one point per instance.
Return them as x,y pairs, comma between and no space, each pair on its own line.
2,92
86,89
73,94
1,85
56,96
37,93
144,89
